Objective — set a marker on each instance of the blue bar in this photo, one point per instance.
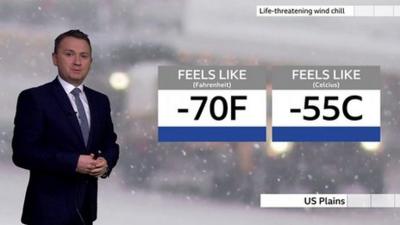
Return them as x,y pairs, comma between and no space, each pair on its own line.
326,134
220,134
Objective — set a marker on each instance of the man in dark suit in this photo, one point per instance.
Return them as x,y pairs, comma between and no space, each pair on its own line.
64,136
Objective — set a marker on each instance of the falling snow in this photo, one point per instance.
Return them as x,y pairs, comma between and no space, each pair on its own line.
201,183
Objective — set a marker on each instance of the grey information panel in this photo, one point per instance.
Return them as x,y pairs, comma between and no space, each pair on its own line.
326,103
212,103
326,77
211,77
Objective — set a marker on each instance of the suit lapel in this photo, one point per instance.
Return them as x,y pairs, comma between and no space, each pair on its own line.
65,104
93,115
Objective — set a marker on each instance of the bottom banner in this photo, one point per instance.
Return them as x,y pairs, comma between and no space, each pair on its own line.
330,200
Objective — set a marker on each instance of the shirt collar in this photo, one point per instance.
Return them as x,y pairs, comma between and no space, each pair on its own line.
67,86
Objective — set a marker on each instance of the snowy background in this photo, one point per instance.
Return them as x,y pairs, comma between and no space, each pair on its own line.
198,183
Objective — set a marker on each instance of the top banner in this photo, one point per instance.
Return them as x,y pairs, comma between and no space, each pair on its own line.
328,10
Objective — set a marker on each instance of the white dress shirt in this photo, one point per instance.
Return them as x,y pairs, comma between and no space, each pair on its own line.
68,88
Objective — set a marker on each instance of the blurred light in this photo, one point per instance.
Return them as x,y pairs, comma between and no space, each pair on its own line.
370,146
119,80
281,147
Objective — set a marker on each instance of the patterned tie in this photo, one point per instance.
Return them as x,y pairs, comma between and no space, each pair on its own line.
83,121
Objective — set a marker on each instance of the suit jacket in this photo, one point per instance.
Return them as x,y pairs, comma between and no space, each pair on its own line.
48,141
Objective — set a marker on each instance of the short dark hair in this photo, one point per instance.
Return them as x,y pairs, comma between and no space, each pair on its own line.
71,33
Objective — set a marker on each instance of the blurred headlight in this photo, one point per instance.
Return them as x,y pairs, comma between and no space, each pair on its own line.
370,146
281,147
119,80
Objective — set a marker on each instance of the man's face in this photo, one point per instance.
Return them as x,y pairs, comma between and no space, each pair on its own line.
73,60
